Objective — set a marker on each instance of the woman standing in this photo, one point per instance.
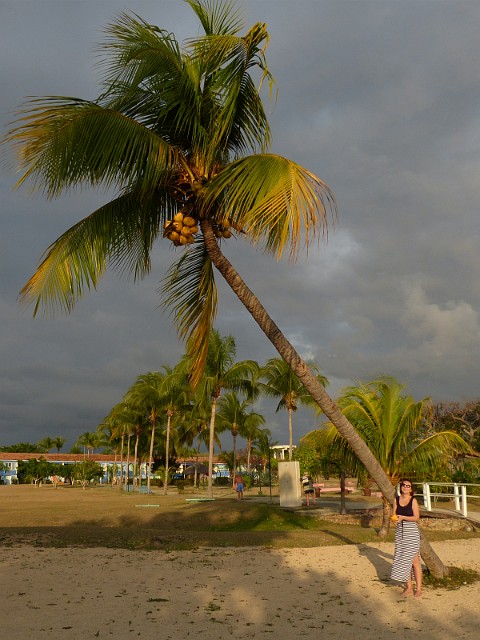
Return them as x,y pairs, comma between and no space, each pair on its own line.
308,489
406,514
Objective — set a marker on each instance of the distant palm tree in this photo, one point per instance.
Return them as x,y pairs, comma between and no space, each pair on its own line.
58,442
165,394
45,444
251,431
221,373
262,446
233,414
281,382
89,441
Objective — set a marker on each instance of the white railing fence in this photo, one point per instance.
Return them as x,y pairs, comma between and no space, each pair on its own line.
459,494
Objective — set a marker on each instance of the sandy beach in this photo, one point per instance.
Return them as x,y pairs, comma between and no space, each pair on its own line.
342,592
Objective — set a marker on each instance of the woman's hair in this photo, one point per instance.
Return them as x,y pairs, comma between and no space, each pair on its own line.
402,480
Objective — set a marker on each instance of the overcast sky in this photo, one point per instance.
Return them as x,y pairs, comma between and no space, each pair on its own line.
379,98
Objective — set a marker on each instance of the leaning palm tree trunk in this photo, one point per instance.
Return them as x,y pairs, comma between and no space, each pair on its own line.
313,386
386,513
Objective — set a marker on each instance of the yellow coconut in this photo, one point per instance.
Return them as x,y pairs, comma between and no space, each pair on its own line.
178,217
194,229
189,221
190,239
227,234
226,223
186,231
183,240
173,236
177,226
167,224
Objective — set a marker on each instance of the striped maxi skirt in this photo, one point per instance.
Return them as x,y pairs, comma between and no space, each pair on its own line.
407,546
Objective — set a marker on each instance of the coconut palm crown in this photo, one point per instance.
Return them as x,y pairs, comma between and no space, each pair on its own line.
170,133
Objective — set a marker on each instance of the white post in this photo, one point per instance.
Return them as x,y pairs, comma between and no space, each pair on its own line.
463,489
426,496
456,496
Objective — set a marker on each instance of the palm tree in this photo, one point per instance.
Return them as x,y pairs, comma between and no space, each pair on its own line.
391,424
89,441
222,372
233,415
251,430
171,132
45,444
281,382
109,439
145,392
166,394
58,442
113,428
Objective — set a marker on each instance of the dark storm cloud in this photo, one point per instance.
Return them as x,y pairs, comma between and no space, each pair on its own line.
381,100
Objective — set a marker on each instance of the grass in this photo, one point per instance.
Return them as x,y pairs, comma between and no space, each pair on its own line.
105,517
457,577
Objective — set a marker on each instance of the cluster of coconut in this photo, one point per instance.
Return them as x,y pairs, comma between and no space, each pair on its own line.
181,230
222,229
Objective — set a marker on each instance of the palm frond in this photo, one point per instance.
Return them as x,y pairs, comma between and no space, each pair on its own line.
122,231
138,51
273,200
189,290
65,142
237,120
218,17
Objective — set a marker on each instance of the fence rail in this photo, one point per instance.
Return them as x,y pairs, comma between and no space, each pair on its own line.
458,493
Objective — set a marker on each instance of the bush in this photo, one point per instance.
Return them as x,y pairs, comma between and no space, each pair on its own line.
222,481
248,481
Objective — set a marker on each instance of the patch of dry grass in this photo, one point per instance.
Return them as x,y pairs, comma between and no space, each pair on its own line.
106,517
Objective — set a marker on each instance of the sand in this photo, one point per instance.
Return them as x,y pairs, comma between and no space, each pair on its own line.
338,592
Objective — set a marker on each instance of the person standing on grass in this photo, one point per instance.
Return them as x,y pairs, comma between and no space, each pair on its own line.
239,485
308,490
406,514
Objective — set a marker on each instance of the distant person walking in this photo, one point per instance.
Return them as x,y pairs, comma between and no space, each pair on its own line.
308,490
406,514
239,484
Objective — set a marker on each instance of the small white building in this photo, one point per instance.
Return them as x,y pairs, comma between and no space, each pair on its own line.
280,451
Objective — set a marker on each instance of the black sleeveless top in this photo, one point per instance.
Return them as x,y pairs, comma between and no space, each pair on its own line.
407,510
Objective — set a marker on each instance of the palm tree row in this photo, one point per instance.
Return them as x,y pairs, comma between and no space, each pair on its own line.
164,404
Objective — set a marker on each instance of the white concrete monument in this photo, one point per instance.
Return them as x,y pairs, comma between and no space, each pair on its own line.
289,480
